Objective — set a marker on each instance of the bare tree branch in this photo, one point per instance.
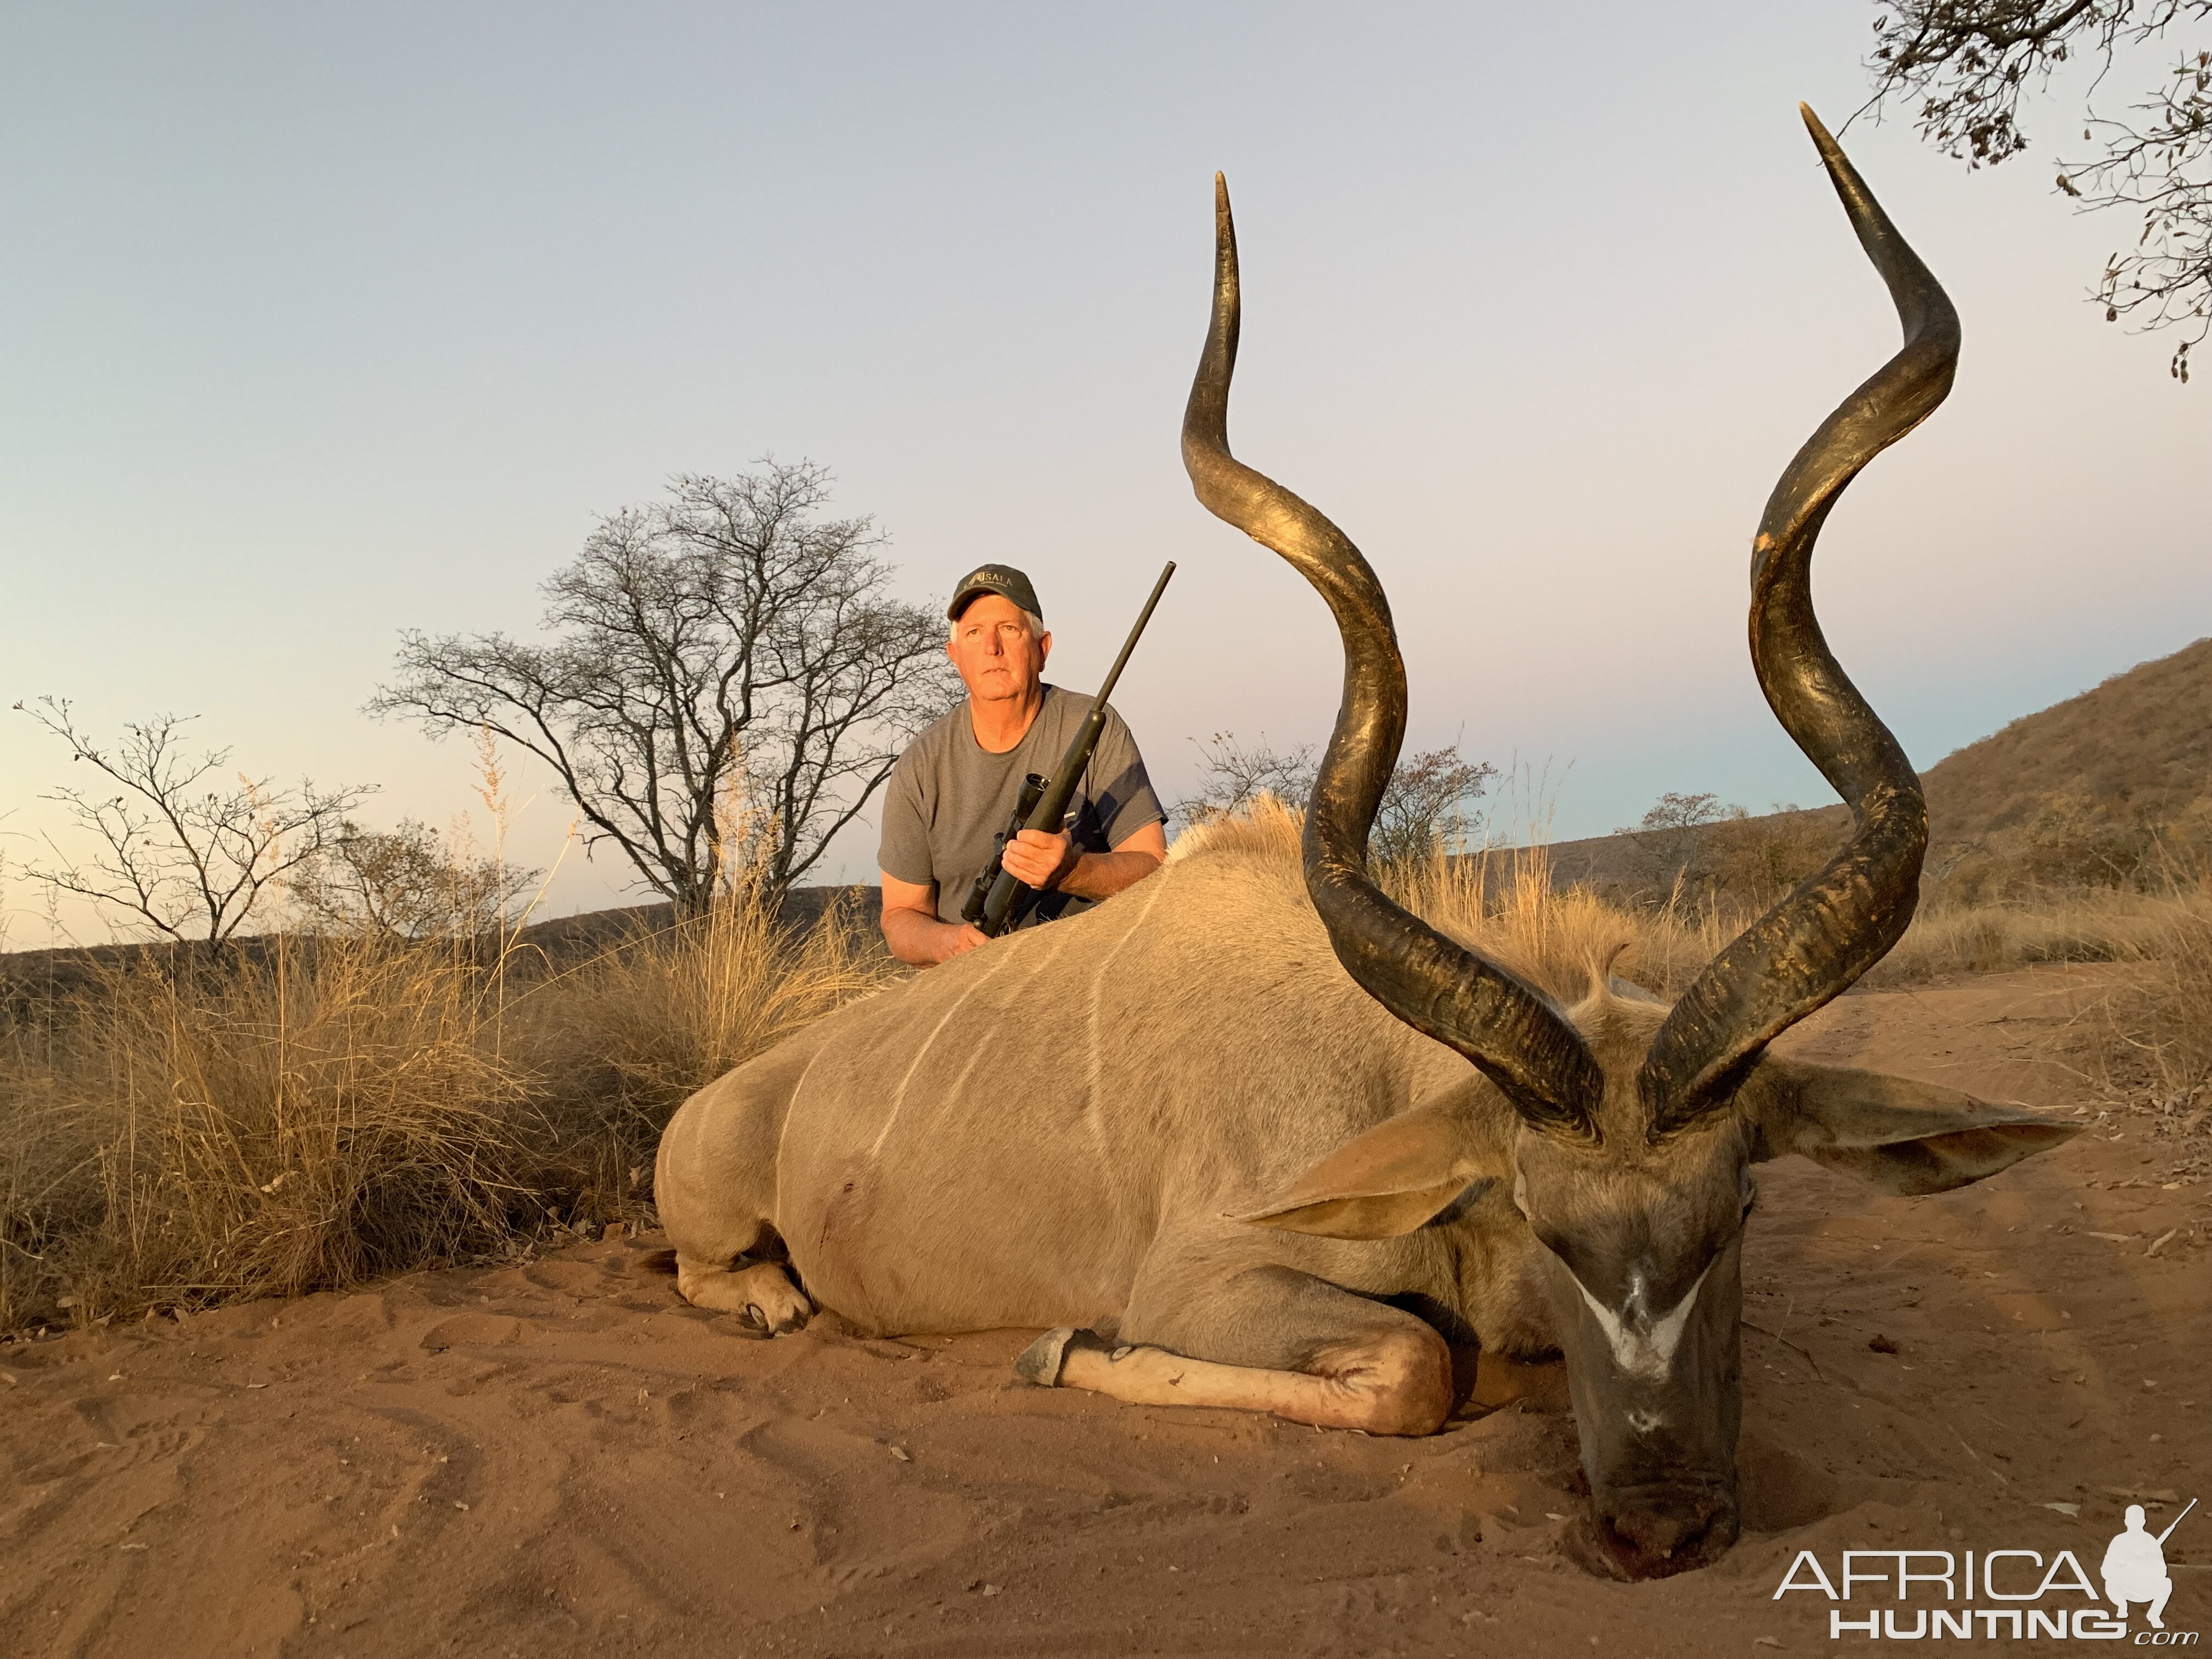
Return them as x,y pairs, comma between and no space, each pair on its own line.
1968,63
183,853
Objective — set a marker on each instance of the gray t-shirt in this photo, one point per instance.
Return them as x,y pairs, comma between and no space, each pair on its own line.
949,798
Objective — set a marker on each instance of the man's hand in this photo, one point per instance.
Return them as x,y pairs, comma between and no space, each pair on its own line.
912,930
957,938
920,939
1086,875
1040,859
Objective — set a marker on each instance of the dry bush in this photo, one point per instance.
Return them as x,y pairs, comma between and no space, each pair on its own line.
320,1112
1755,861
409,882
1426,806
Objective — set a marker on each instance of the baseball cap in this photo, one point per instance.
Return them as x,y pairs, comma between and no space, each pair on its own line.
1003,580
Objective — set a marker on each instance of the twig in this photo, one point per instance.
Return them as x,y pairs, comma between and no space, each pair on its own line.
1787,1343
1977,1456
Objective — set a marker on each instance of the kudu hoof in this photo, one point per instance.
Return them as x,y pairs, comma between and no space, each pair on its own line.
1042,1361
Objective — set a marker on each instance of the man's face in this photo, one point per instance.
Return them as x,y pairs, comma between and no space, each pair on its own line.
998,657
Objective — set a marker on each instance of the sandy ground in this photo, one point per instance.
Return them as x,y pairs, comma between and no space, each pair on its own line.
556,1457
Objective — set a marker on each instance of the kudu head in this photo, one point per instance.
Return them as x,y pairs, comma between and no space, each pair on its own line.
1637,1123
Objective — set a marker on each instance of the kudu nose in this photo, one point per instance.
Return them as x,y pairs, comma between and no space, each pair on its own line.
1662,1530
1651,1533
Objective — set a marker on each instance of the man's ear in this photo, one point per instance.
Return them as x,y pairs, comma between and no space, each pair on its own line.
1901,1136
1397,1176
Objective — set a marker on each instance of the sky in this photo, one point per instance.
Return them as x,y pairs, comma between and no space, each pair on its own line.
320,323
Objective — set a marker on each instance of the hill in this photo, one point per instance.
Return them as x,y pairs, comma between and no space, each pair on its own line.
2139,743
2090,789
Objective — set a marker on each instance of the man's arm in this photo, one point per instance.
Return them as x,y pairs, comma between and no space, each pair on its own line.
911,927
1051,864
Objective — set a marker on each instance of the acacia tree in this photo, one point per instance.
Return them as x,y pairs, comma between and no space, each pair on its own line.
1668,833
1424,809
183,851
1968,63
726,682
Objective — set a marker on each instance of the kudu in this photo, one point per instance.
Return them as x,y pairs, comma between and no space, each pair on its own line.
1243,1147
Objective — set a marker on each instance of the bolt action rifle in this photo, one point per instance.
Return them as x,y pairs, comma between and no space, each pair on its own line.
1045,802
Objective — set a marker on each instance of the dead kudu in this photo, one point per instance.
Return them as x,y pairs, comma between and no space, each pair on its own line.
1285,1138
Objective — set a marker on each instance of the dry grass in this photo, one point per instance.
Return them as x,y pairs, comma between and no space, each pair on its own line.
1503,902
1506,901
327,1111
2100,924
2160,1018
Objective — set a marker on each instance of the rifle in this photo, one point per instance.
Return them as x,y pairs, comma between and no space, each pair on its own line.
1044,803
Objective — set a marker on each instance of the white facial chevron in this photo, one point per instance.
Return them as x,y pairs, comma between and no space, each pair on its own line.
1645,1347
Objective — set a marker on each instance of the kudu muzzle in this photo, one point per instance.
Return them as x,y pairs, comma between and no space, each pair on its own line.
1656,1420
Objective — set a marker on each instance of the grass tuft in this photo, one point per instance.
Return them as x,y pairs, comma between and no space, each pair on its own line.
325,1111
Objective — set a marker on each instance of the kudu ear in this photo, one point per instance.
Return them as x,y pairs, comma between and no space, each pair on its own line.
1903,1137
1399,1176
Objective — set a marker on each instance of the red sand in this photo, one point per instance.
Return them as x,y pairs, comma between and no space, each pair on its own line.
560,1458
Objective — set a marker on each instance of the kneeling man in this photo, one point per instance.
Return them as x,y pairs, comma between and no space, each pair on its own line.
2134,1569
958,782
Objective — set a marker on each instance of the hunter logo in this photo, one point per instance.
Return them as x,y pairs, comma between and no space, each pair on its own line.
2033,1597
2135,1566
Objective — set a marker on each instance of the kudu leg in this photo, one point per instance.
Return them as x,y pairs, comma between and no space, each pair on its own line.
1269,1339
714,1185
761,1292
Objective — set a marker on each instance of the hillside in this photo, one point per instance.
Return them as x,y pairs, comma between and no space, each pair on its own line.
2081,785
2142,741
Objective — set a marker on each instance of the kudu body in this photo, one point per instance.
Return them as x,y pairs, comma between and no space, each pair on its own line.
1243,1145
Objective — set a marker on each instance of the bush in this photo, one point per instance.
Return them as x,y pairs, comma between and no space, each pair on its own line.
409,882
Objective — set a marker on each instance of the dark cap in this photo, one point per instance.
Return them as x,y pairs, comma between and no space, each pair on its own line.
1003,580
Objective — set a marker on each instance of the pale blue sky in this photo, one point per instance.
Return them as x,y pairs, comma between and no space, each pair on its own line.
322,322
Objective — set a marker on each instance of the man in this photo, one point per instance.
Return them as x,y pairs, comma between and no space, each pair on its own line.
958,782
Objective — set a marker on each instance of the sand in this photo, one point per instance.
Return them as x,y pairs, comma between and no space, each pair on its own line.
557,1457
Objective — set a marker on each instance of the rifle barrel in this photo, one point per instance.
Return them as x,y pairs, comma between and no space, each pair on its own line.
1113,674
2176,1522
